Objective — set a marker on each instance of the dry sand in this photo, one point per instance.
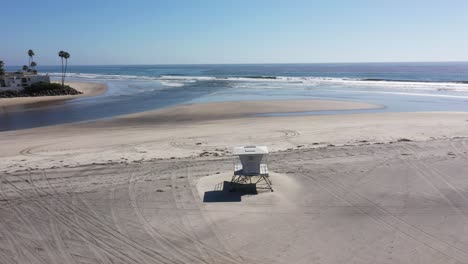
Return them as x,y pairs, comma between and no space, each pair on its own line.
391,203
348,189
87,89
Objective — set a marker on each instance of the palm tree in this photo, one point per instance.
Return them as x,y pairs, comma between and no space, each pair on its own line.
67,56
31,56
64,55
33,66
61,55
2,71
25,68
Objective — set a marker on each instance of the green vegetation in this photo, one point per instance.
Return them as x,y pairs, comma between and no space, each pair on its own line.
41,89
64,55
2,70
25,68
2,73
33,67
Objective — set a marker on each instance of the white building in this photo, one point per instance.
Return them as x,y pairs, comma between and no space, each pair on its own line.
17,81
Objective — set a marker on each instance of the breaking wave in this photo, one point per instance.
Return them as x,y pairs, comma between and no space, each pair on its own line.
276,82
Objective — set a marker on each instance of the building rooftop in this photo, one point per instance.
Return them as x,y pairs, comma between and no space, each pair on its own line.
19,74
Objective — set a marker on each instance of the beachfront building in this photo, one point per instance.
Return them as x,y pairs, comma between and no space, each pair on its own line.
18,80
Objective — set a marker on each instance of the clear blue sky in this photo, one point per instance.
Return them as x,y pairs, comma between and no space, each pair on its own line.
238,31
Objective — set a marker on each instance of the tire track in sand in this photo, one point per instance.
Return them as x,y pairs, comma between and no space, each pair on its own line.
155,235
227,252
181,187
95,250
101,234
185,256
76,228
21,244
382,216
14,246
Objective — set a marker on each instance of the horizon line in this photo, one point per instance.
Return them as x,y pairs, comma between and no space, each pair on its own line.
252,63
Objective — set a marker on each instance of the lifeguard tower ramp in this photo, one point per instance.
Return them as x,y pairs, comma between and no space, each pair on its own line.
250,167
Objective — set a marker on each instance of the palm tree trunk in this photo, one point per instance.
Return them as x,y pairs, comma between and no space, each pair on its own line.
63,76
65,72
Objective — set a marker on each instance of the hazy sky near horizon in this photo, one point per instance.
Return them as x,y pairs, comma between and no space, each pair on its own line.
242,31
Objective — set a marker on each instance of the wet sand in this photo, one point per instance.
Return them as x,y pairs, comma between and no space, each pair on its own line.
145,188
149,136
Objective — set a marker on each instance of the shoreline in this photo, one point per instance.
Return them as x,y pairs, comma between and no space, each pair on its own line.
87,89
147,137
198,112
211,129
189,112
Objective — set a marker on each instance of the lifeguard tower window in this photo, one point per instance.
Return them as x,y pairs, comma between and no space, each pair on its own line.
250,149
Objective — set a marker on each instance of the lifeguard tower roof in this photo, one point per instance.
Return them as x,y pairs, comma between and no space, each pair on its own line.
250,150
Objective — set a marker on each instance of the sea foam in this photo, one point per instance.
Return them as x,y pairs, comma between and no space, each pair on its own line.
276,82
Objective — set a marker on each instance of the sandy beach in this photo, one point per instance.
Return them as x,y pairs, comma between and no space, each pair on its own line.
87,89
234,132
145,188
210,130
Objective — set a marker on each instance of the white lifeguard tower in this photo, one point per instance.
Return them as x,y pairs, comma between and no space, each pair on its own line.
251,167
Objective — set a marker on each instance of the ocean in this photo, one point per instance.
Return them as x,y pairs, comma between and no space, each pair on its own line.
399,87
